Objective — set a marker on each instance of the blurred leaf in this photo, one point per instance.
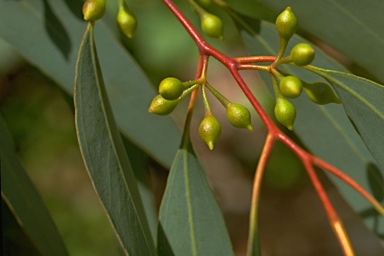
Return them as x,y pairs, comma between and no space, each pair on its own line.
252,8
47,34
10,60
25,202
14,239
191,222
322,129
355,28
376,182
363,100
284,170
104,155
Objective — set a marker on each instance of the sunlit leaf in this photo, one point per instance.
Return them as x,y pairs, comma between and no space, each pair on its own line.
25,202
191,222
48,33
104,155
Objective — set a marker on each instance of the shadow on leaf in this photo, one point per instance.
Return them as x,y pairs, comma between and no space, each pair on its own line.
163,246
56,31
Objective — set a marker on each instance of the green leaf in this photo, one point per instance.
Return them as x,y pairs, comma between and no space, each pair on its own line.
191,222
13,236
139,164
25,202
47,34
363,101
376,182
104,155
322,129
354,28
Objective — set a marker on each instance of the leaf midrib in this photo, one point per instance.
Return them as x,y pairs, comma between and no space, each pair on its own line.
189,202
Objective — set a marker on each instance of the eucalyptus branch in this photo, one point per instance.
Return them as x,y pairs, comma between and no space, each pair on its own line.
301,55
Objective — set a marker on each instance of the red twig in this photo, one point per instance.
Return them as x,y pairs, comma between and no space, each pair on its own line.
231,64
333,170
255,59
333,217
253,236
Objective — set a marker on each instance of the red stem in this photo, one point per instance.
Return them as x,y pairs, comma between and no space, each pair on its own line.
236,64
333,170
231,64
333,217
255,59
253,236
201,65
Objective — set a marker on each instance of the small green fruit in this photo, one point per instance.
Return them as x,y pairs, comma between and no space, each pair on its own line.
302,54
291,86
93,9
286,24
161,106
209,130
171,88
127,21
212,25
239,116
285,113
320,93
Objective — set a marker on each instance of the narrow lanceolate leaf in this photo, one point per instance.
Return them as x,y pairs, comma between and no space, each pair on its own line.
104,155
363,100
191,222
25,202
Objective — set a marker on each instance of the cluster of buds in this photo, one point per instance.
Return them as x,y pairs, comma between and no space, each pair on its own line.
172,91
291,86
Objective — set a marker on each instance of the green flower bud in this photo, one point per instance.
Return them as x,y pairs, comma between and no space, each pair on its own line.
212,25
161,106
209,130
171,88
286,24
239,116
127,21
291,86
302,54
320,93
93,9
285,113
